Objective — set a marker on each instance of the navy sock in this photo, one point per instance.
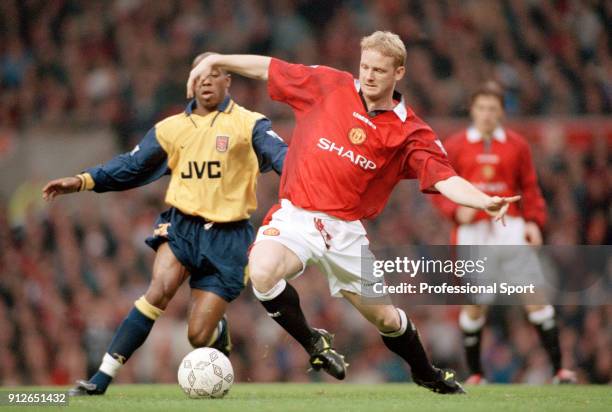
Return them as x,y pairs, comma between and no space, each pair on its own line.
102,380
130,335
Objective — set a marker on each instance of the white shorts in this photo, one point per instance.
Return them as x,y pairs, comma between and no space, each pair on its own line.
509,258
339,248
489,232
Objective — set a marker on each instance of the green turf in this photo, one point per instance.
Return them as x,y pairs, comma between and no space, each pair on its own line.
344,398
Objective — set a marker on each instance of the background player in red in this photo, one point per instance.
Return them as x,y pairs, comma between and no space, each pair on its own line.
498,161
354,140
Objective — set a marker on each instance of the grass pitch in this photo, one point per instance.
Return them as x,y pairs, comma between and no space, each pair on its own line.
341,398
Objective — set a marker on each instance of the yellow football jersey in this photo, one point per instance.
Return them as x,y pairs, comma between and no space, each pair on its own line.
213,161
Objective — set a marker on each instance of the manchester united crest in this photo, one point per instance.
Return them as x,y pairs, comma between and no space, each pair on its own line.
222,143
488,172
357,135
271,231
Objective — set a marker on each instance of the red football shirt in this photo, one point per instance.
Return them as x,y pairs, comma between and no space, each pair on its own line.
500,167
341,160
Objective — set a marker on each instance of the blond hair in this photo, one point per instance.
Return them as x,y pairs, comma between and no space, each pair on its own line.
386,43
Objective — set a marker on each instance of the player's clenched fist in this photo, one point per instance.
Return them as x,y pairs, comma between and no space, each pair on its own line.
61,187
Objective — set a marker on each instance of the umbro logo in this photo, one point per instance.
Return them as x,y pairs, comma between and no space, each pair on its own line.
364,119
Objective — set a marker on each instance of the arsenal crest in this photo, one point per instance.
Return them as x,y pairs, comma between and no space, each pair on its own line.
357,135
222,143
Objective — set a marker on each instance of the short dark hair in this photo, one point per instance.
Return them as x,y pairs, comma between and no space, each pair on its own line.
489,88
202,56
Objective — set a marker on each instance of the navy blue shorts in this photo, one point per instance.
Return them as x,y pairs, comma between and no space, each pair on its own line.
215,255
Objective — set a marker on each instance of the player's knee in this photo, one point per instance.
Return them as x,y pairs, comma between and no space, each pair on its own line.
200,337
264,273
536,308
387,320
474,312
472,319
540,314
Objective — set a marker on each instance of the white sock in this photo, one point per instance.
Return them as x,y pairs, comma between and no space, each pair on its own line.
110,365
469,325
544,317
404,322
272,293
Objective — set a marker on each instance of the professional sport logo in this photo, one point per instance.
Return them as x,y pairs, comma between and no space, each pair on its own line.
357,135
222,143
271,231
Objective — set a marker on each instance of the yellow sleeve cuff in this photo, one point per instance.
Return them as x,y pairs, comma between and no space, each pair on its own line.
88,182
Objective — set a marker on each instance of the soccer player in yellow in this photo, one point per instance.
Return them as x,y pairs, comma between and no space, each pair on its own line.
213,152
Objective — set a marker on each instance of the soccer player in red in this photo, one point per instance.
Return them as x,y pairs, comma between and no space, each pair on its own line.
498,161
354,140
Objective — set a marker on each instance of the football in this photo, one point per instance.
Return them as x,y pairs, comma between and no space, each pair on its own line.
205,373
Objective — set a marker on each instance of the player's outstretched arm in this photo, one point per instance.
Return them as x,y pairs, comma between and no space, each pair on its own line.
62,186
464,193
247,65
146,163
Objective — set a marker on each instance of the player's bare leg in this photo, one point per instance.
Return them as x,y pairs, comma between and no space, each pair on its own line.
270,263
207,323
401,337
168,276
471,321
542,317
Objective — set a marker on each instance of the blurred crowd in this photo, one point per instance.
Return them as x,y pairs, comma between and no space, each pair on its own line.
70,271
124,63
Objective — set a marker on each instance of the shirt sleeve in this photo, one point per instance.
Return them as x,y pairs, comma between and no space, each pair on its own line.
445,206
533,203
301,86
269,147
146,163
425,159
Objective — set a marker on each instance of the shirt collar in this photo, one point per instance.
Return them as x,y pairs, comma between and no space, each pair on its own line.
399,109
474,136
222,107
